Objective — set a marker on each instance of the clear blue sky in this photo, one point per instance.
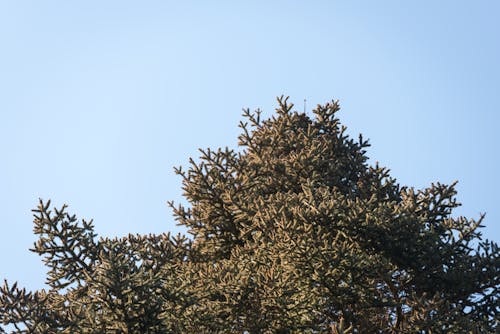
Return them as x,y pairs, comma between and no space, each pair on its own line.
100,99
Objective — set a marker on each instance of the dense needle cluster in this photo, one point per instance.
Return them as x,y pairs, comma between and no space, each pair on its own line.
292,233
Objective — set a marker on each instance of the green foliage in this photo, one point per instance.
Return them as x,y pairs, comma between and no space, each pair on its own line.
293,233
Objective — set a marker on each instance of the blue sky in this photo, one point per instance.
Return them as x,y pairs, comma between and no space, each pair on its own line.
100,99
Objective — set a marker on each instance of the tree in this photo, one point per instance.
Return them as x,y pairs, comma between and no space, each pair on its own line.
293,233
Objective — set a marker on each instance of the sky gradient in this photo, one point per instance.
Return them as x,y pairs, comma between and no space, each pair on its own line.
100,99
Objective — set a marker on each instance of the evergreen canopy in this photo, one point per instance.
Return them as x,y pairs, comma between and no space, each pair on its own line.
295,232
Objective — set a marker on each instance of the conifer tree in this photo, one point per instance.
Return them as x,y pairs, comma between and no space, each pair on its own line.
294,232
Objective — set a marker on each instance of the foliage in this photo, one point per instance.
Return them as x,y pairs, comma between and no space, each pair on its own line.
293,233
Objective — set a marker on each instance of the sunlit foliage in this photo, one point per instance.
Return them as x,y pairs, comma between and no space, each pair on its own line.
294,232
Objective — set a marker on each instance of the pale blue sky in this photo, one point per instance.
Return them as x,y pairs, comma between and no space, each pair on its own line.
100,99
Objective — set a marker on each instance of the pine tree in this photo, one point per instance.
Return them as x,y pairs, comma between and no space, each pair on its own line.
294,232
